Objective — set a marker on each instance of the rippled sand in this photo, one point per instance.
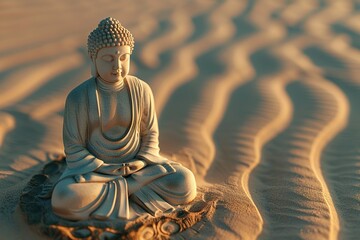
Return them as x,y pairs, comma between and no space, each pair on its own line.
260,99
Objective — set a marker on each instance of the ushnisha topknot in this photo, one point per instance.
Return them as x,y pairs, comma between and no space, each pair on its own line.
109,33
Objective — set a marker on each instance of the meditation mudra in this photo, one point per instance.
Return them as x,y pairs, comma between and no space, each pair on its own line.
110,133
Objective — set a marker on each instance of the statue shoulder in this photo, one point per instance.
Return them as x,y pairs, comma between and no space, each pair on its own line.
147,92
140,84
79,92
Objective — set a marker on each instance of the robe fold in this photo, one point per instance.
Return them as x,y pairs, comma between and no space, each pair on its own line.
86,148
88,144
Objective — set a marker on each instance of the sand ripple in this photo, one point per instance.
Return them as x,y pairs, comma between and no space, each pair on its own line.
288,183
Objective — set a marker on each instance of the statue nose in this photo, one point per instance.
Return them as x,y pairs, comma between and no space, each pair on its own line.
116,66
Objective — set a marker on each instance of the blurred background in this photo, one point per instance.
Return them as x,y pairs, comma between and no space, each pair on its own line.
250,94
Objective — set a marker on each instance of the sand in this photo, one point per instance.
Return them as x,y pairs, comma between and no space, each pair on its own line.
258,98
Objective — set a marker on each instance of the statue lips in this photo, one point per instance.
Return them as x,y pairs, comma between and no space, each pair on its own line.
116,73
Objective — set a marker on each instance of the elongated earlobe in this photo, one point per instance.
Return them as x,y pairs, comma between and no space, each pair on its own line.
94,71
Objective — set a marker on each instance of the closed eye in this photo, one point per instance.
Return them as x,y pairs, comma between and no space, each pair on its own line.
107,58
124,57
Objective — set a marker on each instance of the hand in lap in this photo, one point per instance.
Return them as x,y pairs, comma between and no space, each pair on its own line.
123,169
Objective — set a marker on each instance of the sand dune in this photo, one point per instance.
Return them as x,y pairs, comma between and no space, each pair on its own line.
258,98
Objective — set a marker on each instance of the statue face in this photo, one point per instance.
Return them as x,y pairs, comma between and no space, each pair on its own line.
113,63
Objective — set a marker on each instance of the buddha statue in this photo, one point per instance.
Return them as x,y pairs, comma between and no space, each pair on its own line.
110,133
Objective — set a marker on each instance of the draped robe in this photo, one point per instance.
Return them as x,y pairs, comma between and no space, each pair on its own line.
90,139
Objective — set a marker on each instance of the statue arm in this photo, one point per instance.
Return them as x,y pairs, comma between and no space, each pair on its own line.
78,158
149,130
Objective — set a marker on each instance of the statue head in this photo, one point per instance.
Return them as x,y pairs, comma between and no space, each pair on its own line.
109,47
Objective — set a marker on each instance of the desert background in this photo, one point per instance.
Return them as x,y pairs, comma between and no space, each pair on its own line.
259,98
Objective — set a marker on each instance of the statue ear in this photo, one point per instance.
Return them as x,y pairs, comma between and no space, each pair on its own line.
94,71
